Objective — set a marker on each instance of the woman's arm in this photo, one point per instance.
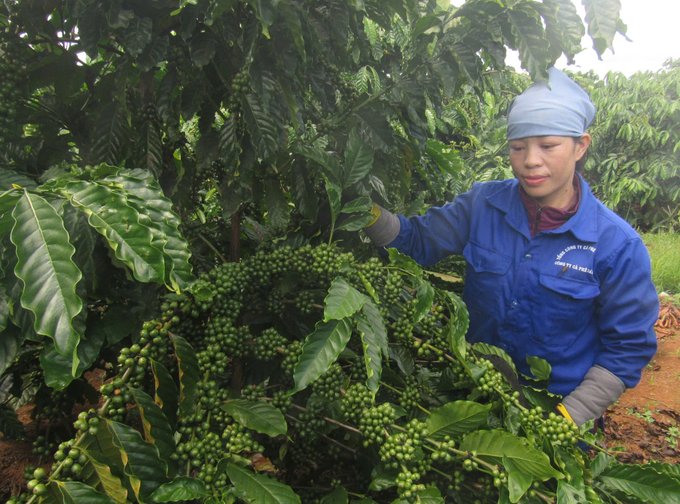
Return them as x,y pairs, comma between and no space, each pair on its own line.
440,232
629,309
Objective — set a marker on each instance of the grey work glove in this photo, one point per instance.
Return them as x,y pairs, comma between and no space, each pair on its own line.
599,389
384,229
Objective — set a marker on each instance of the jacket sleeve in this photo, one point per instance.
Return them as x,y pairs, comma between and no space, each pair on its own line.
629,307
441,232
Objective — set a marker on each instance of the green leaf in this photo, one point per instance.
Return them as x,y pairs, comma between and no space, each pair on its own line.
571,489
378,129
337,496
518,482
372,345
369,287
97,473
534,49
402,356
358,159
9,179
362,204
109,213
322,158
261,127
90,345
258,416
118,323
102,444
110,136
602,17
216,9
495,444
425,299
73,492
166,396
540,368
45,265
303,193
383,477
259,489
152,148
276,203
356,222
600,462
486,349
321,349
156,427
342,300
137,35
334,192
564,25
266,12
84,239
431,495
229,145
182,488
90,27
187,362
446,157
146,471
399,260
153,54
670,469
291,18
8,201
58,368
11,339
457,418
377,323
155,210
119,17
458,324
644,483
202,49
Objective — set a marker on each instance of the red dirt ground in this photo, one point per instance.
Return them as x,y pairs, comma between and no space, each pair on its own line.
645,421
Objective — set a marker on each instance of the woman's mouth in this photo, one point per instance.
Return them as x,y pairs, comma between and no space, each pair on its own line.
535,181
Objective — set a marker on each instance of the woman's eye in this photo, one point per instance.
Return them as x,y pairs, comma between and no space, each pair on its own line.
548,146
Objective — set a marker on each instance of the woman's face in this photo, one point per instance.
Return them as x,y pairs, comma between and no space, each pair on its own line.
545,166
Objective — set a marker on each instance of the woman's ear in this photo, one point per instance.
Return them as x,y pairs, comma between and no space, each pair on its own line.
582,145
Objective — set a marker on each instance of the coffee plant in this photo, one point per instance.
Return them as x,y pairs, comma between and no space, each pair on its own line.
182,191
633,165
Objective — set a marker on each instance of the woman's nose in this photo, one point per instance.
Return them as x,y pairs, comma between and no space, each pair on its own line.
533,156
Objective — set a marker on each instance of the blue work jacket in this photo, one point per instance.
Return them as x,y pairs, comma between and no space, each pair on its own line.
577,296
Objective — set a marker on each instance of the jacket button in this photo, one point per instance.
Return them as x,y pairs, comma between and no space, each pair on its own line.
527,257
514,304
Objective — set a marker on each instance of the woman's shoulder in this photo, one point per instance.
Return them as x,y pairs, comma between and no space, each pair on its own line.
492,187
611,223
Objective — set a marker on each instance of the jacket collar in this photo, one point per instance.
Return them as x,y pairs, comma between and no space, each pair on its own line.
583,225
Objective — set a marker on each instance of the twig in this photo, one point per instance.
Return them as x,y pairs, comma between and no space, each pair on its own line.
212,247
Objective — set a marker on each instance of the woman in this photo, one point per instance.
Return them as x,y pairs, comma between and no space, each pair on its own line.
551,272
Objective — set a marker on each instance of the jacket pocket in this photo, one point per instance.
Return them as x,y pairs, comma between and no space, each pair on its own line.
484,260
563,309
484,281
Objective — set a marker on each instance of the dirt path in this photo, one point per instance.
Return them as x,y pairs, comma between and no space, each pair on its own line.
646,420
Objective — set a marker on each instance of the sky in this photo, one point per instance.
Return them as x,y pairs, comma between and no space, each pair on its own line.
654,32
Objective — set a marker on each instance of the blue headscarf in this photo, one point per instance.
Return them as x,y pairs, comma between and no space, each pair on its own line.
562,109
